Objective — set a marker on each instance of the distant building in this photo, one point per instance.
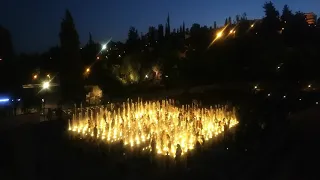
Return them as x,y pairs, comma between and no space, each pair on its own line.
311,18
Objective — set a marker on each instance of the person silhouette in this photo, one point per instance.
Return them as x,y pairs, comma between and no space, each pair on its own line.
167,160
95,131
153,150
49,114
178,155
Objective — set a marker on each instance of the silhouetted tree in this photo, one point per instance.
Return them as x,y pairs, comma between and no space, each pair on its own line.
6,61
49,60
133,39
6,47
89,51
226,21
244,17
238,18
271,22
90,39
214,25
168,29
133,35
195,29
229,20
160,32
151,34
287,15
183,28
300,26
72,84
318,22
287,19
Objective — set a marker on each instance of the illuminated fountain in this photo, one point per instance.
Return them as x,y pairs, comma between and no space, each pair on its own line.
143,124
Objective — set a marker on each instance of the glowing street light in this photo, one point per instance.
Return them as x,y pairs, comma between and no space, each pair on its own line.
87,70
252,25
46,85
104,47
35,76
232,31
219,34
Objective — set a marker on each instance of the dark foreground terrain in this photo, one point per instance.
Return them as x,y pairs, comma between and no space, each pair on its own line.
287,148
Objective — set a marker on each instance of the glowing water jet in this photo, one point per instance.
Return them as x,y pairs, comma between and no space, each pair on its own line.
142,123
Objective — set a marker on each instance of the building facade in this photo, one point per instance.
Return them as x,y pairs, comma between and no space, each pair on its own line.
311,18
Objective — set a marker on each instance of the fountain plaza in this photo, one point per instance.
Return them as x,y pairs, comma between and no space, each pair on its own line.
152,125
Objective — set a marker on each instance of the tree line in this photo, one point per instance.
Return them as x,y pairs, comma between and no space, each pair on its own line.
278,47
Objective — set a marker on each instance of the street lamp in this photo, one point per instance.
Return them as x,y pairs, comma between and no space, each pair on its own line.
35,76
219,34
46,85
104,47
87,70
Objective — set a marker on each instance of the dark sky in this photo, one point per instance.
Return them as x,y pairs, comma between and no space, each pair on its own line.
34,24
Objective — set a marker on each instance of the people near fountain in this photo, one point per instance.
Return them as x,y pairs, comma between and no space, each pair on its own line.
121,147
95,131
198,147
189,159
153,150
178,155
105,117
49,114
225,130
153,146
167,160
89,124
59,112
200,123
162,130
203,140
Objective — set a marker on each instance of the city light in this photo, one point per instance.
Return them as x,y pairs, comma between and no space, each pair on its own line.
35,76
219,34
232,31
46,85
104,47
252,25
4,100
158,126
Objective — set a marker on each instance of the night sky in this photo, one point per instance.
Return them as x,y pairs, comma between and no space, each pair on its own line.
35,24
